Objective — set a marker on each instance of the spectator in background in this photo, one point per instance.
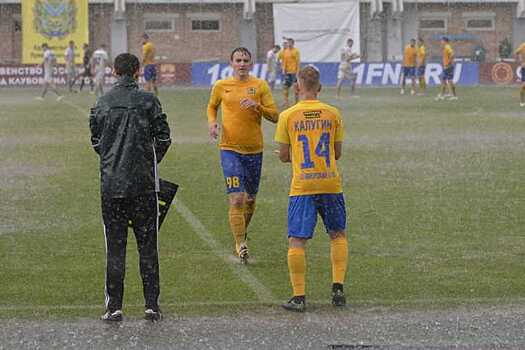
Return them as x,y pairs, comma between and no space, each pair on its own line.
99,62
290,59
520,57
71,74
48,65
345,68
86,74
148,61
271,64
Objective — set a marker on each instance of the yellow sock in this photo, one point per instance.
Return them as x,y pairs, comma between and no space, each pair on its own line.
237,225
297,268
249,209
422,84
339,257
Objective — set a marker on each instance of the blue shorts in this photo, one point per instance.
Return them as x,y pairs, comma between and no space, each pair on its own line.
409,72
523,74
421,71
242,172
150,72
302,214
448,73
289,79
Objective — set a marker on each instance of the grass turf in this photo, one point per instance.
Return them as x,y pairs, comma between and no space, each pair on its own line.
435,192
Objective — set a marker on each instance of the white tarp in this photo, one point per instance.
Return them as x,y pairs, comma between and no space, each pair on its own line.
320,29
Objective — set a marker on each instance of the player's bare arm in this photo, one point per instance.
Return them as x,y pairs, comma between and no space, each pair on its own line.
284,153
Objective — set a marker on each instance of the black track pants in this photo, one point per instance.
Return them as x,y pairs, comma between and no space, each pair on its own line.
143,213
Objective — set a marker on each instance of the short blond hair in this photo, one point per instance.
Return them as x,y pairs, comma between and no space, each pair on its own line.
310,78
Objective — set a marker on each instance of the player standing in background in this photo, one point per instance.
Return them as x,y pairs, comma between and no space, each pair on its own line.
148,61
310,136
345,68
71,74
271,64
421,65
290,63
99,62
244,101
48,66
409,66
520,57
86,74
448,71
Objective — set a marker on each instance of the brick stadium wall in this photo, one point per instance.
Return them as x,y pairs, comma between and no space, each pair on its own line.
10,39
185,45
490,40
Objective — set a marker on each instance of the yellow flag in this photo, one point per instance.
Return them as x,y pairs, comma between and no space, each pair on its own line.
54,22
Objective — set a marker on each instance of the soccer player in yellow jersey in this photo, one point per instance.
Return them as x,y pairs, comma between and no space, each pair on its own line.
520,57
421,65
448,71
290,59
409,66
310,136
244,101
148,61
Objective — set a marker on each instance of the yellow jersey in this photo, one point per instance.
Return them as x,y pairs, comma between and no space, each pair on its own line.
290,60
521,51
312,128
148,53
421,55
448,55
241,128
409,57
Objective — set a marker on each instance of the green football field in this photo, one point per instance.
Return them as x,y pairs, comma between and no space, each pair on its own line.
435,194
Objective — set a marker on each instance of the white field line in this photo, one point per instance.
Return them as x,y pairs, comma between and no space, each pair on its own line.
74,106
360,303
262,292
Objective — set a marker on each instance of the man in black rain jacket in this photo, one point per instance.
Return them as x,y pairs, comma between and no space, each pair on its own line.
130,133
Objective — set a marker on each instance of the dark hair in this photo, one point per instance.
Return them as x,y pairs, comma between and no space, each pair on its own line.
45,45
291,40
126,64
145,36
350,39
242,50
420,39
277,47
445,39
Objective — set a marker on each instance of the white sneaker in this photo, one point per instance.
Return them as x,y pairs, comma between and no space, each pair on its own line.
522,104
402,91
412,92
439,98
59,98
452,98
39,98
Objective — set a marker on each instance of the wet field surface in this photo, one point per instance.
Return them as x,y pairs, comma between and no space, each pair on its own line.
463,328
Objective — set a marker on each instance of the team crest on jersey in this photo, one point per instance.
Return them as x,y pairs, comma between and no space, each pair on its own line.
252,91
54,18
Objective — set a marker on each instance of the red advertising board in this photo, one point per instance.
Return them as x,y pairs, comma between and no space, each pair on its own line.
501,73
32,75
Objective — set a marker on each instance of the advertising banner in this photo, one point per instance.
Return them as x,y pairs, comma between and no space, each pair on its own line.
33,75
319,29
54,22
368,74
501,73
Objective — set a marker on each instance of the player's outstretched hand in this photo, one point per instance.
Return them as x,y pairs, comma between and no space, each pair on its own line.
213,129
